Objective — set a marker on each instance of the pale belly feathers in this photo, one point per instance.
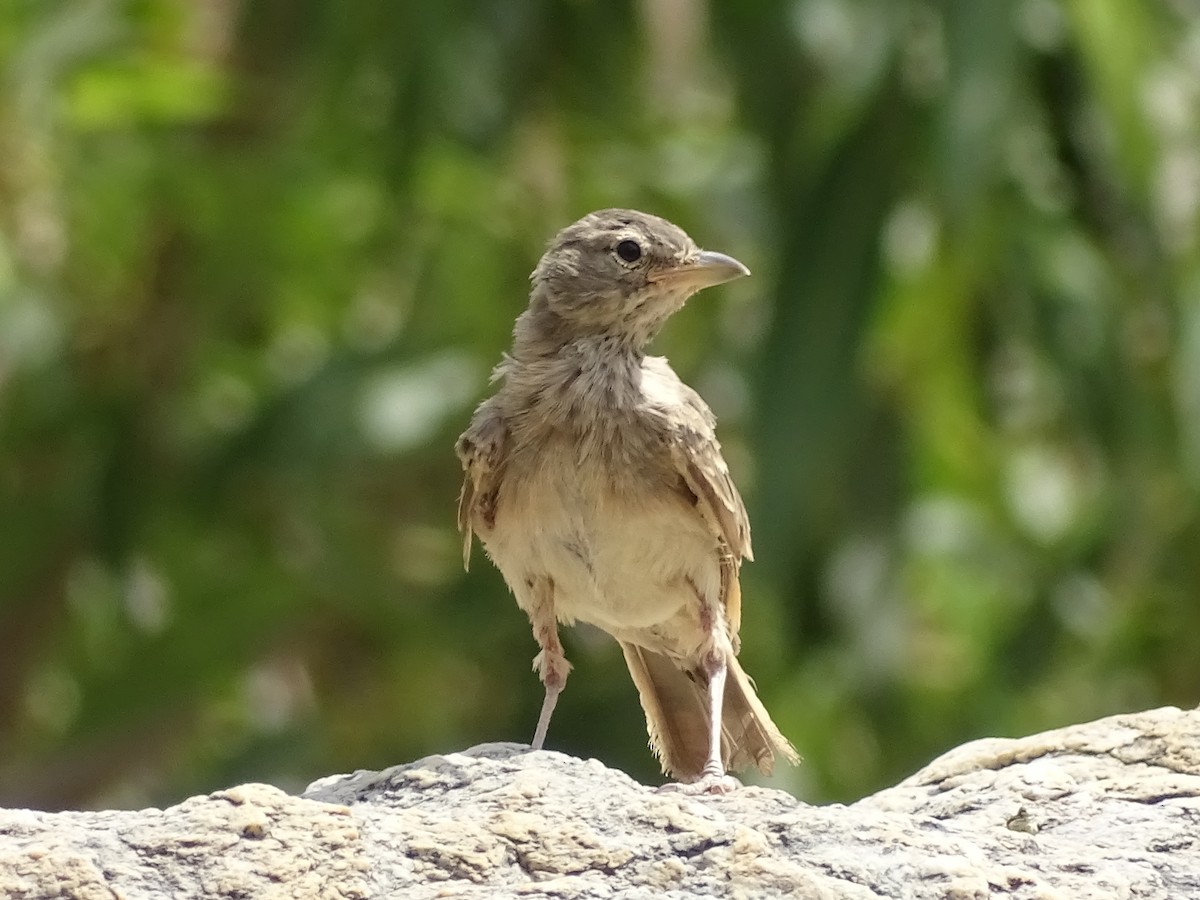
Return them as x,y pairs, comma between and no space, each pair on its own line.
623,556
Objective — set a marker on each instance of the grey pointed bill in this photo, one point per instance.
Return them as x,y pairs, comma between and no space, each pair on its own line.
704,269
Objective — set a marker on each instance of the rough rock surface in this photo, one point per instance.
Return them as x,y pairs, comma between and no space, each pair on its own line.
1109,809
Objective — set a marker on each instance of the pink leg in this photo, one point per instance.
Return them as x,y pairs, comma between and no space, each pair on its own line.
714,666
550,663
713,779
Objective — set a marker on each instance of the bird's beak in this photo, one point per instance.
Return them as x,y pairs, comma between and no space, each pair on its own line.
703,269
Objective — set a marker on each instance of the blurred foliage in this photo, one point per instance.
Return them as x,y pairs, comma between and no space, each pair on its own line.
257,257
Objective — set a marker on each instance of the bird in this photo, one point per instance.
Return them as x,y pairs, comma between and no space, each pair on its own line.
594,479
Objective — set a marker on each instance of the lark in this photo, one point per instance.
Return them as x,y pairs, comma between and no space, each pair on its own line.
595,481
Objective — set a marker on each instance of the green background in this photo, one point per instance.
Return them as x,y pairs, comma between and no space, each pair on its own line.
257,259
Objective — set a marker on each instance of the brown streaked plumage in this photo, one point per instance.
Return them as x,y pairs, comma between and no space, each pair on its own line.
594,478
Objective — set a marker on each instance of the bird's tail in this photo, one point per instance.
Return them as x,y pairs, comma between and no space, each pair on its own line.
676,706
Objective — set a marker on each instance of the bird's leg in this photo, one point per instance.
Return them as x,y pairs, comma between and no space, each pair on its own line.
715,666
716,669
713,779
552,668
550,664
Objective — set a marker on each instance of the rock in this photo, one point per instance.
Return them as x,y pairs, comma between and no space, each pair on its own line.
1110,809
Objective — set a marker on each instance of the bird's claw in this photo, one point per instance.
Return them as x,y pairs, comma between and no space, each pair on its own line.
705,784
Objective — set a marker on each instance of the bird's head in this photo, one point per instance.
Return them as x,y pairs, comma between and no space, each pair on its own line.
618,273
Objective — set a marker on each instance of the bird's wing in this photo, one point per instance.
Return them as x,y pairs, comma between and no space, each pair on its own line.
481,450
696,453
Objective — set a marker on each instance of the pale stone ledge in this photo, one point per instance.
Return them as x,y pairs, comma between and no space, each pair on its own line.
1109,809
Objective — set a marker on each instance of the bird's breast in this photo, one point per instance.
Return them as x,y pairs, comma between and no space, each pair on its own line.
605,521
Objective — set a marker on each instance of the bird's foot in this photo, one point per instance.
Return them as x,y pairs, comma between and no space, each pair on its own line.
706,784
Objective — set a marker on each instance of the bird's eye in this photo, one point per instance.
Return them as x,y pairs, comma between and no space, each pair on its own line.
629,251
